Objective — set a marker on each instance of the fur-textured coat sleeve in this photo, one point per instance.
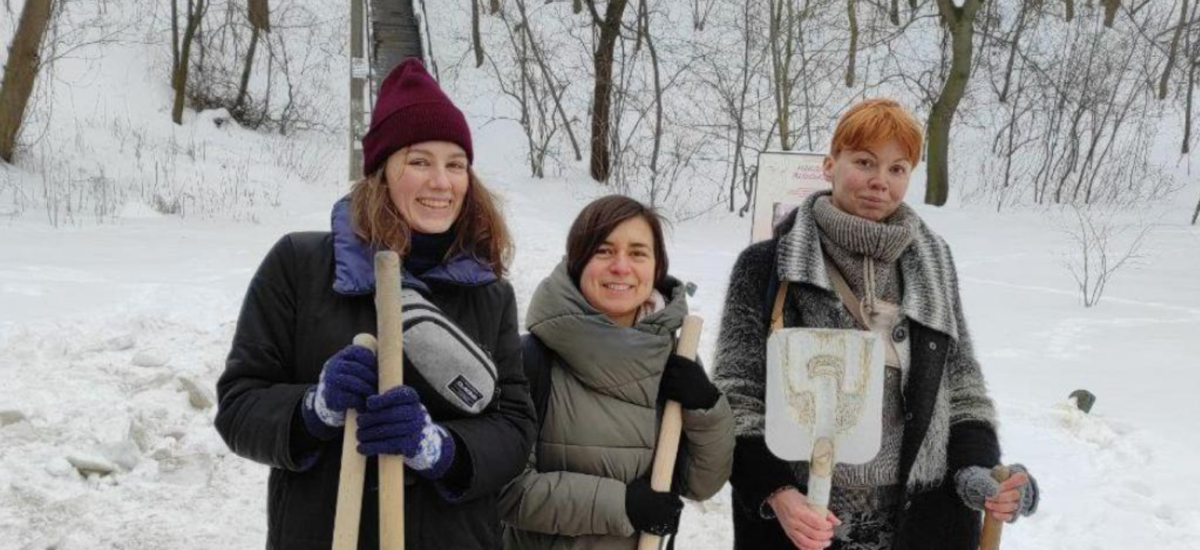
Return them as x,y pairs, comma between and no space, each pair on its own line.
740,372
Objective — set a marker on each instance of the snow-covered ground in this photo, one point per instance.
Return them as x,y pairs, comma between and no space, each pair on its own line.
104,328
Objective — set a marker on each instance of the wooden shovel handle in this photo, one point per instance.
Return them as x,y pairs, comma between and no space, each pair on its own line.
992,527
672,426
350,480
390,332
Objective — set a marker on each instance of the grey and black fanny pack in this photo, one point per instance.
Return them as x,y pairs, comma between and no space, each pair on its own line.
453,374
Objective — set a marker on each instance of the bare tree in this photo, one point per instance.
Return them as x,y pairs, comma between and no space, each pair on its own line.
1102,247
476,40
20,72
602,59
781,43
260,22
1173,50
182,49
1014,47
853,17
1110,12
1196,213
700,11
557,88
960,23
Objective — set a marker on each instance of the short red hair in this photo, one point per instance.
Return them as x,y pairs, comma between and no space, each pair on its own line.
875,121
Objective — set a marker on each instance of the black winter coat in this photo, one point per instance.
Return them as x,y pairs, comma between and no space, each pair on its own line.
291,322
931,516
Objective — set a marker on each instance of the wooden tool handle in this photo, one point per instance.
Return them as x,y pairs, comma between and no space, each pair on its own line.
390,332
350,480
820,476
672,426
990,538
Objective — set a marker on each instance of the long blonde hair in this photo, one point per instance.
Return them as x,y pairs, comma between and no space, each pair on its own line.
479,230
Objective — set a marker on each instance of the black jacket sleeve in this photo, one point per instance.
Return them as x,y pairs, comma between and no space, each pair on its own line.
257,394
498,441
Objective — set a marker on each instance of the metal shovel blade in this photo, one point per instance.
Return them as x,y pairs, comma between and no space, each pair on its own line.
824,383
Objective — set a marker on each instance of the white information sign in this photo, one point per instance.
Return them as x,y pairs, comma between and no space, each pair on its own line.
785,179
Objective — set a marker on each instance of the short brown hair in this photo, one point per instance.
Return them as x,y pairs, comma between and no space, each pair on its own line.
875,121
479,230
598,219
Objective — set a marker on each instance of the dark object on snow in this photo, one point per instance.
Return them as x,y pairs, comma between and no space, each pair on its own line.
1084,400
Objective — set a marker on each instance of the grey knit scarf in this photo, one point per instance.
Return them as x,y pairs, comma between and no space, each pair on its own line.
864,251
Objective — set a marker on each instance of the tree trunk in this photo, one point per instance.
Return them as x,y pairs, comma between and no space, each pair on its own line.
1012,53
780,44
610,29
180,74
21,71
658,89
476,40
1172,52
245,81
1196,213
894,13
853,42
960,23
260,15
1187,114
1110,12
1070,7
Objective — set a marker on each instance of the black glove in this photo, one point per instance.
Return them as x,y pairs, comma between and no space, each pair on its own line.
685,381
651,511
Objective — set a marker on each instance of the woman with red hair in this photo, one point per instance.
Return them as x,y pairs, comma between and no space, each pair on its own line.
857,257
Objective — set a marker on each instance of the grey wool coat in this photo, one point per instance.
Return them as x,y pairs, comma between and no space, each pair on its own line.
949,420
601,424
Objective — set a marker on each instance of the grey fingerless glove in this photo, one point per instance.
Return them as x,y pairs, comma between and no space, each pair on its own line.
975,485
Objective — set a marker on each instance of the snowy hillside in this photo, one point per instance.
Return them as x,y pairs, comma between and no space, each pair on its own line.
114,325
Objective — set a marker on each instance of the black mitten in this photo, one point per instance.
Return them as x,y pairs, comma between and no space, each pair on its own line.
685,381
651,511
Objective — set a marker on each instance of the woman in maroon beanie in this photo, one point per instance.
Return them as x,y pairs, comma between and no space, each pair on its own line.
463,422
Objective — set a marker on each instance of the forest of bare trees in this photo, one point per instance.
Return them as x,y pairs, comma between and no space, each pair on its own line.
1082,102
214,47
1079,102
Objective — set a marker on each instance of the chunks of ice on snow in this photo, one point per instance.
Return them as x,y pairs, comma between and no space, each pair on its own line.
120,343
59,467
198,395
11,417
149,359
122,453
89,463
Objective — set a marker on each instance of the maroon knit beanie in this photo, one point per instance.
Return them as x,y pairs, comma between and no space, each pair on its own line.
411,108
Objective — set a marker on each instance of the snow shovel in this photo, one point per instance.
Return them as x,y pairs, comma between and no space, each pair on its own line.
672,425
824,401
391,468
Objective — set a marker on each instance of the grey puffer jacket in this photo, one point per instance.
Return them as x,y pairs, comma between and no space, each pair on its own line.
601,423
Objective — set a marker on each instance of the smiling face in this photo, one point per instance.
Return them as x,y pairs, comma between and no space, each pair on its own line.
869,183
619,277
427,183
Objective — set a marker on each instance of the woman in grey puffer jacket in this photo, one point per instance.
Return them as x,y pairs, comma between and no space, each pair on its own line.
604,323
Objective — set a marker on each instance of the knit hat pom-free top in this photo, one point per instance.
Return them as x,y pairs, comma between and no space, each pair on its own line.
412,108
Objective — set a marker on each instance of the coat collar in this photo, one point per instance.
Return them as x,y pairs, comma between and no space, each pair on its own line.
354,265
623,362
928,279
